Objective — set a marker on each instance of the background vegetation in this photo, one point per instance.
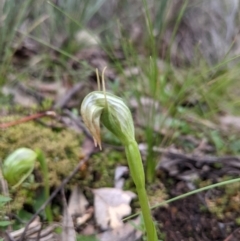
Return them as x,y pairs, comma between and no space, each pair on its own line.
174,62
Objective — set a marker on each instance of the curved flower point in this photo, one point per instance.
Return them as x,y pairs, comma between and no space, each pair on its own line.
91,114
111,111
18,166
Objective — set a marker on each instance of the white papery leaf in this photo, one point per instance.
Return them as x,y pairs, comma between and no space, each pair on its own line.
118,176
111,205
77,203
68,232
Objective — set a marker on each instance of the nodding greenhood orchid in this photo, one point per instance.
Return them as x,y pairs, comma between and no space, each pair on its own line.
18,166
110,110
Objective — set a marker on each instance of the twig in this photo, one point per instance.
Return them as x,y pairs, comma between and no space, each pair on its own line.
64,182
37,96
14,216
33,228
208,159
39,232
28,118
63,101
78,123
234,236
65,206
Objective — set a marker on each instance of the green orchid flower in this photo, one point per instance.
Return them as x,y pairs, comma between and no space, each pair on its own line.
110,110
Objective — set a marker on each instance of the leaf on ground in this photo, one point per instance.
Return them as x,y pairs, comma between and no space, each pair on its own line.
86,216
4,223
120,171
127,232
77,203
36,232
111,205
34,225
68,232
19,97
84,36
230,121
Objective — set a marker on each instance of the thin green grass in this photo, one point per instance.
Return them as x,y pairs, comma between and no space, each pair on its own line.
228,182
10,20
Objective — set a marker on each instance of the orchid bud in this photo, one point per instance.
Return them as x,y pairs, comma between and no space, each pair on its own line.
111,111
18,166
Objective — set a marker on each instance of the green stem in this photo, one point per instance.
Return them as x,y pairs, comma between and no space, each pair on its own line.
41,158
137,172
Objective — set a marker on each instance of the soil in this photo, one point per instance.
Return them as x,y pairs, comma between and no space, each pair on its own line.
189,219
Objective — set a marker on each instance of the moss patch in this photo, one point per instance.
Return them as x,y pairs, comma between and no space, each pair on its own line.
61,148
223,201
102,167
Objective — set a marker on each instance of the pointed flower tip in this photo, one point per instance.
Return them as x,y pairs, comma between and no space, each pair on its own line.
97,142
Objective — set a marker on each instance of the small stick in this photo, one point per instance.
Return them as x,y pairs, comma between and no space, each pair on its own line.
62,103
39,232
28,118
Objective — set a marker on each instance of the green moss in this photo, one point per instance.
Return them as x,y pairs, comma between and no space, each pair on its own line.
157,193
102,167
223,202
62,151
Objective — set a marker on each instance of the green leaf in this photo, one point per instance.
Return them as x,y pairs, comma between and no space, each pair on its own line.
4,223
58,230
4,199
217,140
24,215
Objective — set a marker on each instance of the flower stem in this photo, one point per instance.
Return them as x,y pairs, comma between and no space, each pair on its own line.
41,158
137,172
